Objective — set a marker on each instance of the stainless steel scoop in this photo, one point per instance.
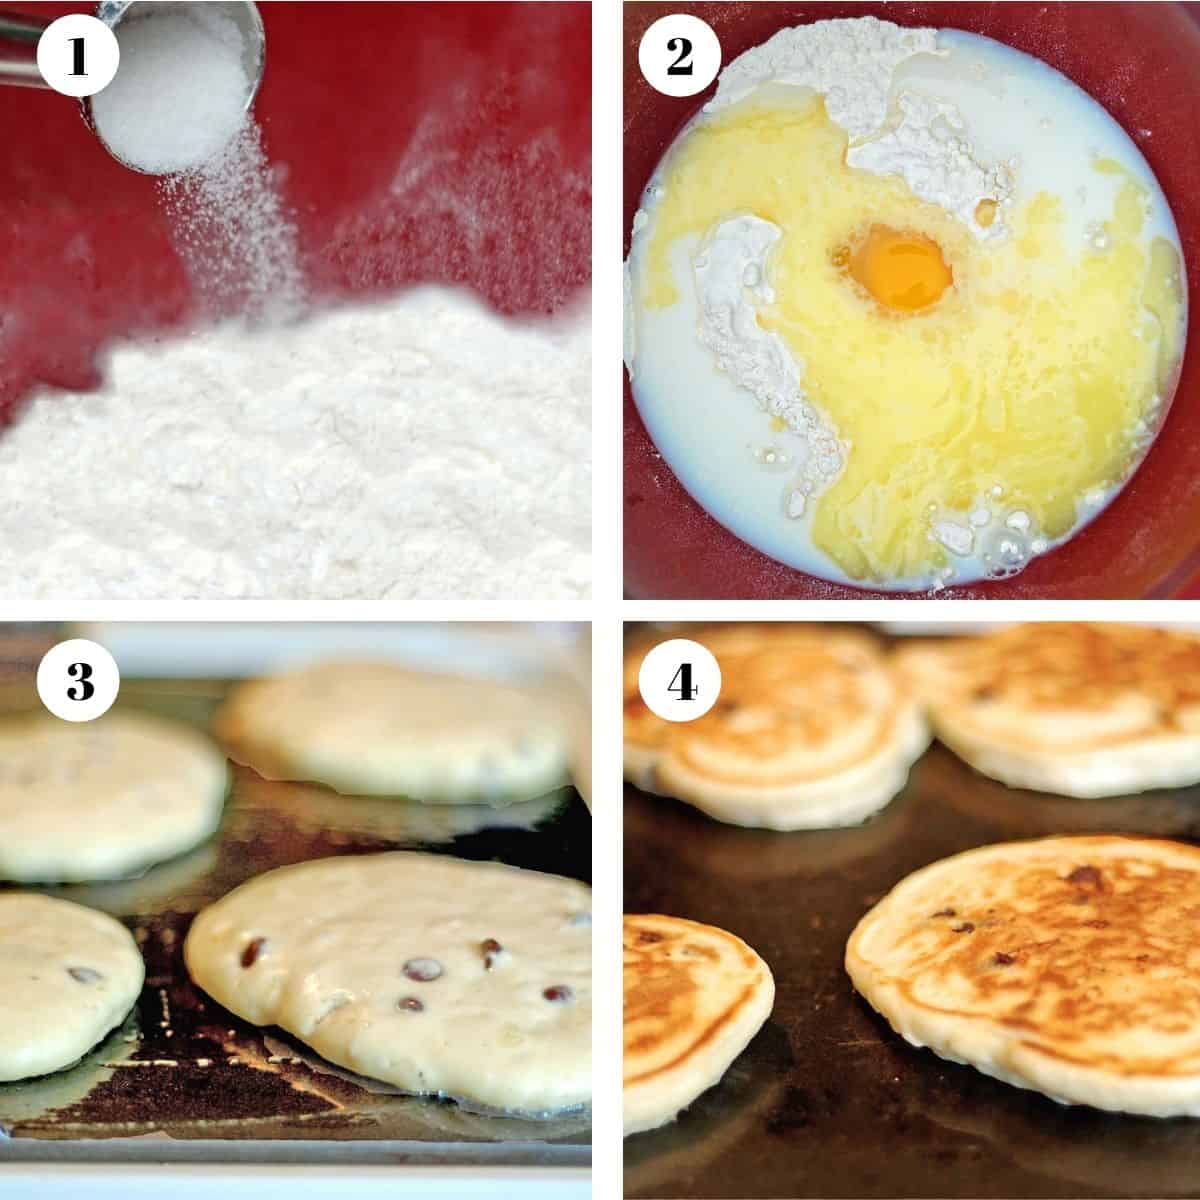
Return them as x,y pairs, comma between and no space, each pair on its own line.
18,49
19,34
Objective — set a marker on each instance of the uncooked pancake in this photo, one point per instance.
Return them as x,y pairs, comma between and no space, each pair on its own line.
70,975
379,729
1082,710
103,799
812,729
694,997
440,976
1066,965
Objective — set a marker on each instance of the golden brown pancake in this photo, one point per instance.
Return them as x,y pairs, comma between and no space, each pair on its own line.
755,856
1084,710
1067,965
1005,813
694,997
812,729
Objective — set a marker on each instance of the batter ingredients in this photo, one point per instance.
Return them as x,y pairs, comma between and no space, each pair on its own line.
422,447
890,324
440,976
70,975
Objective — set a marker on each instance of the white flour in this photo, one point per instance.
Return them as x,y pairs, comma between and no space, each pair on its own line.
731,284
850,62
419,448
853,63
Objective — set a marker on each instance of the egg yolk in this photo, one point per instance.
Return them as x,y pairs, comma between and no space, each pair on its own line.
905,272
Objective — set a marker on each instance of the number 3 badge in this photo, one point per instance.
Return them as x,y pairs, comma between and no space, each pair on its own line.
78,680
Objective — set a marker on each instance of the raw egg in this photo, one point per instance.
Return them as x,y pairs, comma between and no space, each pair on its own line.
905,272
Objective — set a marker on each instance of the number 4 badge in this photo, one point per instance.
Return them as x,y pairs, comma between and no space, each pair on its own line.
679,680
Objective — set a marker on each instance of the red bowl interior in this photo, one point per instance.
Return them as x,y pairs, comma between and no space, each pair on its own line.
491,140
1142,62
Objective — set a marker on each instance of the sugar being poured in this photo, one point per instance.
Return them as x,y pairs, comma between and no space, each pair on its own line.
180,93
413,449
177,109
233,233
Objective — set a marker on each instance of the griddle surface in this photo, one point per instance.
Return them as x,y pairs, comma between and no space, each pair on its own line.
827,1100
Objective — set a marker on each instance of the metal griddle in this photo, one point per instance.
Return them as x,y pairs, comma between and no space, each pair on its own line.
184,1077
827,1100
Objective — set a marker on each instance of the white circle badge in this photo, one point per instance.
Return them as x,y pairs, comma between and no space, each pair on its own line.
78,55
680,680
679,55
78,680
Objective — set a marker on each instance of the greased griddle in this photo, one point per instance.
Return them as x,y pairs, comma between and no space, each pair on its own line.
183,1076
827,1100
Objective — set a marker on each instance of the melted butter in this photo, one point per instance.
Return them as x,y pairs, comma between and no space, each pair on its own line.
1033,371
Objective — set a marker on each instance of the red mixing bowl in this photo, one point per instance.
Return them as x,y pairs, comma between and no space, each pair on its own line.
1142,62
414,143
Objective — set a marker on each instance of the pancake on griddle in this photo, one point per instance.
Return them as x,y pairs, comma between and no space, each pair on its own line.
377,728
694,997
1082,710
1066,965
812,729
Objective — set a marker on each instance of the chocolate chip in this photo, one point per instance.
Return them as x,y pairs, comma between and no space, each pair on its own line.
646,938
963,927
84,974
946,912
491,952
1003,960
251,952
984,694
1085,877
559,994
410,1004
422,969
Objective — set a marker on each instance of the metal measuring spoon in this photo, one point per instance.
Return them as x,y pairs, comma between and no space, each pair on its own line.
19,35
